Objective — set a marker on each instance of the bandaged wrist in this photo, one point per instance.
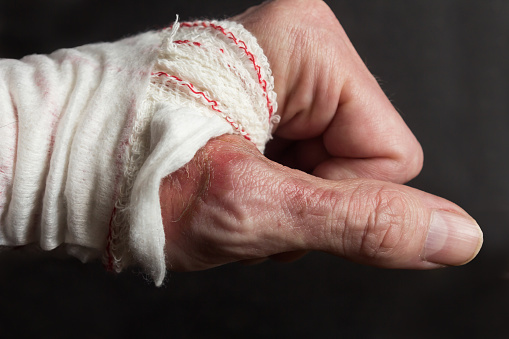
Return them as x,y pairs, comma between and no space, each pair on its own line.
115,120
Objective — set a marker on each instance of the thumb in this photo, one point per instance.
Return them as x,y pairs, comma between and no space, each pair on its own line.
378,223
373,222
246,206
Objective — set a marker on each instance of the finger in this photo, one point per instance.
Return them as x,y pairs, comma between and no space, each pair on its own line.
367,137
373,222
311,156
253,208
360,133
324,89
378,223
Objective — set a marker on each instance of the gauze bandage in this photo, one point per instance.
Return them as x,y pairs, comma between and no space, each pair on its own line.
87,134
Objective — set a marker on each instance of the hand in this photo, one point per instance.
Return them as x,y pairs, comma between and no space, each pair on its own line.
230,203
336,121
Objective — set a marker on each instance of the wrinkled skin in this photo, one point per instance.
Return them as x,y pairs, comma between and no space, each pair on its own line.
346,151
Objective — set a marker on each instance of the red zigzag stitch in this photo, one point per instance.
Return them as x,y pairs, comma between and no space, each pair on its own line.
242,45
214,103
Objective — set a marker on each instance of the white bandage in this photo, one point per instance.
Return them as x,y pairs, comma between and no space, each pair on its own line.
87,134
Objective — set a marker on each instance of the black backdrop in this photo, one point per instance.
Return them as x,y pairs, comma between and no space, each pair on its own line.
445,66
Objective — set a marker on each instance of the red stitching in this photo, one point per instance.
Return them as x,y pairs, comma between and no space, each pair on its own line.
186,42
214,104
242,45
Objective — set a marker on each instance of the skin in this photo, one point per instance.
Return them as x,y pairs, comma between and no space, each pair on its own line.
332,177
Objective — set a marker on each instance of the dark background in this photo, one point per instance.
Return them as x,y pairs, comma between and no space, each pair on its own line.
445,66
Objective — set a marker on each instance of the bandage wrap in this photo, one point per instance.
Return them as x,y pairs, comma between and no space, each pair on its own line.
88,134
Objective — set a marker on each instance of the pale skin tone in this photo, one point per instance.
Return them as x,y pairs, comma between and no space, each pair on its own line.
333,184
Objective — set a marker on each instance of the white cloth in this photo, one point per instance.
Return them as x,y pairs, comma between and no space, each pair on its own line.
87,134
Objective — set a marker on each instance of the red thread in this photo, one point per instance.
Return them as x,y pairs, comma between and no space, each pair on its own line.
242,45
214,104
187,42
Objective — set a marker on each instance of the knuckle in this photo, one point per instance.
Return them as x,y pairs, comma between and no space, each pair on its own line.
409,162
413,161
385,222
217,188
418,160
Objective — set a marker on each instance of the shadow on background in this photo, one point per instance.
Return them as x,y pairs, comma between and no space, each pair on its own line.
444,64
